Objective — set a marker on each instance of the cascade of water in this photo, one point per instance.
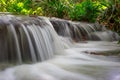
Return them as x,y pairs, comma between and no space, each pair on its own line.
13,34
27,39
79,31
31,48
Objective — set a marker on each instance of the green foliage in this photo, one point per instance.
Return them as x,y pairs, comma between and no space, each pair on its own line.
81,10
111,17
20,7
77,12
86,11
54,8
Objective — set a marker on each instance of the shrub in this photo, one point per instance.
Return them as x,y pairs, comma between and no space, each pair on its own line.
85,11
25,7
54,8
111,17
76,12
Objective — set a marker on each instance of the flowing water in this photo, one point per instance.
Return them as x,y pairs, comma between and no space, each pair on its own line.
83,31
53,49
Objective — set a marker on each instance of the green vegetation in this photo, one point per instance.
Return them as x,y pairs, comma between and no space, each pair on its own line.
20,7
111,16
106,12
86,10
54,8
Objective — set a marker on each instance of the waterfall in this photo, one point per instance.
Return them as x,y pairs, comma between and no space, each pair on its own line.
79,31
26,39
40,48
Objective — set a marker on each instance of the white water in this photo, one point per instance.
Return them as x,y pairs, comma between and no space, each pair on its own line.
70,63
83,31
27,39
73,64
